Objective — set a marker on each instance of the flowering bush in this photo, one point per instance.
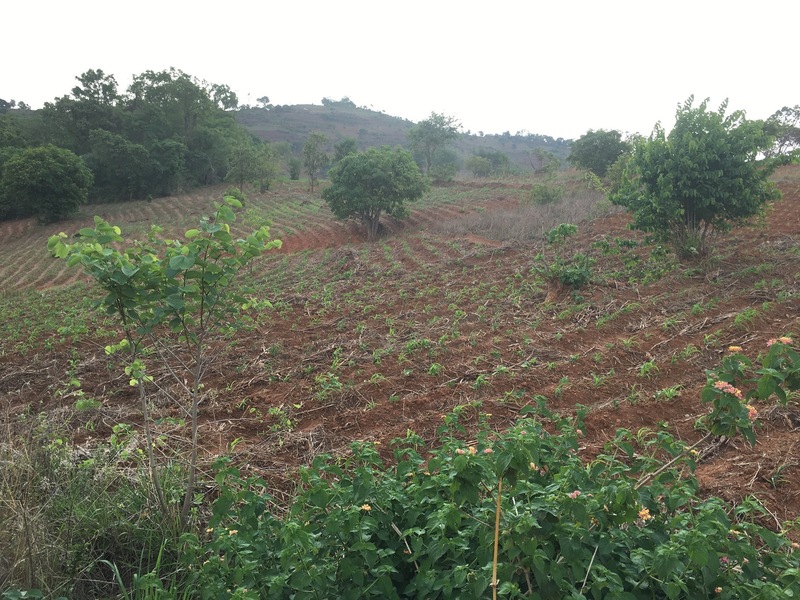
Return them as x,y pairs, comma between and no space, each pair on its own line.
778,375
628,524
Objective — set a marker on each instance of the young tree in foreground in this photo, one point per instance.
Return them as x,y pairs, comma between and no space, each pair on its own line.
174,300
381,180
704,176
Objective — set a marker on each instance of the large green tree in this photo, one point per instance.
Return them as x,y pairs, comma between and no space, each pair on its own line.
367,185
596,151
314,157
431,134
704,176
47,182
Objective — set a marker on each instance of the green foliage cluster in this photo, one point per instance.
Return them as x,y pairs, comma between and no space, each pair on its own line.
784,127
572,269
314,157
597,150
546,192
431,135
485,162
167,131
779,374
380,181
47,182
171,299
704,176
423,527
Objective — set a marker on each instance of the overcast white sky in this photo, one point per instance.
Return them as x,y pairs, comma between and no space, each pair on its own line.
558,67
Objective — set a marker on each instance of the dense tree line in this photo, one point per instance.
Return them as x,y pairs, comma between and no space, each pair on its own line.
166,132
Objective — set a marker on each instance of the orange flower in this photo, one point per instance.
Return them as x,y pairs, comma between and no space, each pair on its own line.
752,413
366,507
644,514
734,348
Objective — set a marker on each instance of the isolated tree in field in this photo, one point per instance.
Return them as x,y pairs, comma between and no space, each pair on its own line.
314,157
704,176
596,151
47,182
430,135
367,185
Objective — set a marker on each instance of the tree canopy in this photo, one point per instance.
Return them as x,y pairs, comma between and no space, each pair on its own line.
380,181
596,151
314,157
431,134
784,126
47,182
704,176
166,131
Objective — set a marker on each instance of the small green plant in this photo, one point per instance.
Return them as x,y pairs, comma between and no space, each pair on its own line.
746,317
599,380
669,393
688,352
573,270
166,293
282,420
563,384
327,384
648,369
435,369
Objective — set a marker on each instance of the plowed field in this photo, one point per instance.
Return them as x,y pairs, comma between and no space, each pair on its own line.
368,340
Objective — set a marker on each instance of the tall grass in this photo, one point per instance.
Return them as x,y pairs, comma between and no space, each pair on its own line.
75,523
529,219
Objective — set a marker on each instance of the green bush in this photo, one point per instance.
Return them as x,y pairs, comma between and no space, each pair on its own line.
546,192
570,269
424,527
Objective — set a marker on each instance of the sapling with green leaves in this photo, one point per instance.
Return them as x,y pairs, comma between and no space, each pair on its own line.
173,298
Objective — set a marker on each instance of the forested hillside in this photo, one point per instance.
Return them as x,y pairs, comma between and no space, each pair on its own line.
342,119
169,132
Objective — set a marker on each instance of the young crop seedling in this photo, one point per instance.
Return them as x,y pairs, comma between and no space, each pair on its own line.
648,369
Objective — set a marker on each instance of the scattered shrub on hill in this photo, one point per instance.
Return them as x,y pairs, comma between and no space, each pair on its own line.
546,192
597,150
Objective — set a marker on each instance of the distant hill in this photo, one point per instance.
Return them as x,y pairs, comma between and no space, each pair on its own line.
342,119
